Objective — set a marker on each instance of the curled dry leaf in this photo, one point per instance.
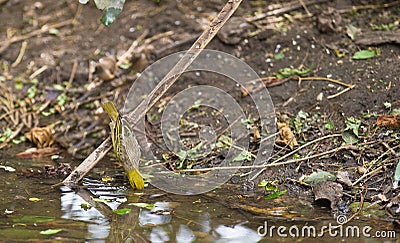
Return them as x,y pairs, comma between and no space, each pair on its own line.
105,68
388,121
42,137
329,21
287,136
343,178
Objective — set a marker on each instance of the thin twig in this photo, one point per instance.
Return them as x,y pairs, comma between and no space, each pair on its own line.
370,6
327,79
367,174
296,150
340,93
72,75
37,72
305,8
283,10
274,164
360,206
21,54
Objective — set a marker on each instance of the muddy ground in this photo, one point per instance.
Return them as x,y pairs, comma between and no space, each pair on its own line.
323,36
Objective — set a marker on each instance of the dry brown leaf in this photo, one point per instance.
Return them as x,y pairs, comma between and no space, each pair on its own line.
32,153
287,136
388,121
41,136
105,68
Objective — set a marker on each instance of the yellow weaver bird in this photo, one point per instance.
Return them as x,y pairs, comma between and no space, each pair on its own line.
125,145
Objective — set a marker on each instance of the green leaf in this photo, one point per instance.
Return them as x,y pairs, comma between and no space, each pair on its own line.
287,72
58,87
148,206
7,134
262,183
353,124
271,187
34,81
18,84
86,206
387,105
33,219
302,115
279,56
50,231
53,31
395,112
244,155
61,99
182,155
109,16
349,137
296,156
125,66
111,9
46,113
196,105
364,54
35,199
275,195
31,92
19,140
329,125
317,177
122,211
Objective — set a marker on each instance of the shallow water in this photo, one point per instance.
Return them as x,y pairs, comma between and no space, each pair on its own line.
28,207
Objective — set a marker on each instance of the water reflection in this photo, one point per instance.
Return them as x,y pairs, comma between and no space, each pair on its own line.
98,226
237,233
160,224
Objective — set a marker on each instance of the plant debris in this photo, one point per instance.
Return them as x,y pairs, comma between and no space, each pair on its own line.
389,121
41,136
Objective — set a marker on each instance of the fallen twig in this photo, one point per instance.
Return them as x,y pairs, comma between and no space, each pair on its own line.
39,71
367,174
327,79
295,151
264,166
285,9
339,93
45,28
